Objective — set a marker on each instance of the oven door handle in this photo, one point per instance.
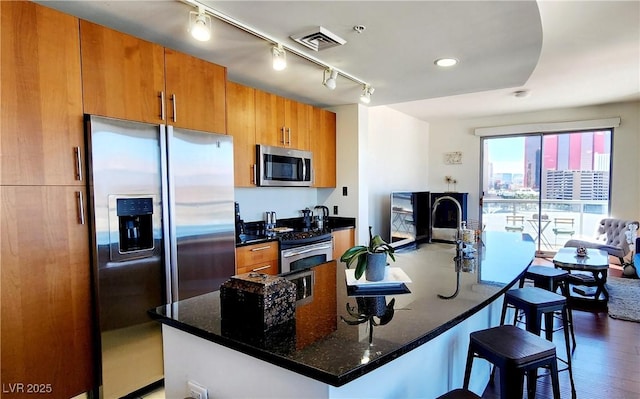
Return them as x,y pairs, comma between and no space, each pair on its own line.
304,251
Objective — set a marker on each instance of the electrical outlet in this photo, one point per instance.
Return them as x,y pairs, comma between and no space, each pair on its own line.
196,391
344,191
335,209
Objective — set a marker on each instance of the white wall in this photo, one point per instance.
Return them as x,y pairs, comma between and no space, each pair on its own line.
458,135
397,160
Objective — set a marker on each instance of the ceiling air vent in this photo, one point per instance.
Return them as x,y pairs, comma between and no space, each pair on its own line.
318,39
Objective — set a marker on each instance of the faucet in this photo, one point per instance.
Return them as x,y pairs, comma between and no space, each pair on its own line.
459,217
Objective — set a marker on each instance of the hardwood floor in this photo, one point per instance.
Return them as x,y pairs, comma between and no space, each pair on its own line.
606,361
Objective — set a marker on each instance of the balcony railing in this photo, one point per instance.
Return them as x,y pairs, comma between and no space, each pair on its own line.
585,215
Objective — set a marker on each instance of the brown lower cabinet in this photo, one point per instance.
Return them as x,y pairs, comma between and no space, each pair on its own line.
342,240
262,257
46,311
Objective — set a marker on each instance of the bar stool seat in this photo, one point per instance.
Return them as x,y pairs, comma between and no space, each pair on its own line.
545,277
459,394
515,352
537,302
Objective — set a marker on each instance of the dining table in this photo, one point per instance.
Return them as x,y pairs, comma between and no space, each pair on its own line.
595,262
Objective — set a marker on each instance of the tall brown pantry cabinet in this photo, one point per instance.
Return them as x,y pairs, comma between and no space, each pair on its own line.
44,261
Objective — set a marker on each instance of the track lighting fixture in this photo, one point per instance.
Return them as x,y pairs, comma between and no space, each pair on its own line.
200,28
279,57
367,91
200,25
329,82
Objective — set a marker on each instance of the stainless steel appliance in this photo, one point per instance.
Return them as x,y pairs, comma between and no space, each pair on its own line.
162,216
304,281
304,249
284,167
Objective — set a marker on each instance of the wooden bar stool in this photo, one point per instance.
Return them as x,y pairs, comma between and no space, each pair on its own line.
515,352
459,394
537,302
550,279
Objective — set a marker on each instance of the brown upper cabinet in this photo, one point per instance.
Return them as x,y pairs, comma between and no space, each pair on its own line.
322,142
282,122
196,92
241,124
42,134
129,78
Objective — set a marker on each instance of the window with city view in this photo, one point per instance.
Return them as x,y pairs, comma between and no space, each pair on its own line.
552,186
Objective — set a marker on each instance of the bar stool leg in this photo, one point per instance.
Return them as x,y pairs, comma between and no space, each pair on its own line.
467,369
564,288
511,382
565,325
532,381
555,383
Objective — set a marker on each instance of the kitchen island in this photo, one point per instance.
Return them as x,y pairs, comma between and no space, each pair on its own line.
419,353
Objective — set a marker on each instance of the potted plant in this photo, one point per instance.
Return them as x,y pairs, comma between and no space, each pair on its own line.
371,258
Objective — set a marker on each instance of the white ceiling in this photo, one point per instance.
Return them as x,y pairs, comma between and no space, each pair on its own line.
566,53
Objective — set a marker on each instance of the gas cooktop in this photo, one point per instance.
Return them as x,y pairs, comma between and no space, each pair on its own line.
294,239
301,235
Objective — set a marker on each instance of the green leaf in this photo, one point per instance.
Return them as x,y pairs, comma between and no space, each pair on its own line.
361,267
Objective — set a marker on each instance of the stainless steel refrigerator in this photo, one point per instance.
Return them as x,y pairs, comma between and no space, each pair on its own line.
162,219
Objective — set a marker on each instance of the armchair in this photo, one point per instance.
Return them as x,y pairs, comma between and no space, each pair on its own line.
610,237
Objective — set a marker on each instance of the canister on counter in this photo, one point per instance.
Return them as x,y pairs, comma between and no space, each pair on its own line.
257,301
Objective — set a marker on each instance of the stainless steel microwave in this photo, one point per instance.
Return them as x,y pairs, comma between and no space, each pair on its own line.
283,167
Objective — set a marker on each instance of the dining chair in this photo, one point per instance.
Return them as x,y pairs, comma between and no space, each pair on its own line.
515,223
563,227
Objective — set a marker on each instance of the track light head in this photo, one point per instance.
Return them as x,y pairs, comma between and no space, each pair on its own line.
367,91
200,25
329,81
279,57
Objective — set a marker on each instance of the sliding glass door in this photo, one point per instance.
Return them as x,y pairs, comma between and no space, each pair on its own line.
553,186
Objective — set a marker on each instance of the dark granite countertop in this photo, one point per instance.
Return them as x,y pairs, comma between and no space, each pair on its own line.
336,356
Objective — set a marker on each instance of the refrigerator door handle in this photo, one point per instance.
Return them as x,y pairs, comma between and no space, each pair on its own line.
168,225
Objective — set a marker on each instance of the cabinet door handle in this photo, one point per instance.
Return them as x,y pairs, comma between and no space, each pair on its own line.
80,207
257,269
162,113
260,248
253,174
173,100
78,164
284,140
289,134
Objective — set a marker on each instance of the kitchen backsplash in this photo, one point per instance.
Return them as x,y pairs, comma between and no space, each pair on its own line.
286,202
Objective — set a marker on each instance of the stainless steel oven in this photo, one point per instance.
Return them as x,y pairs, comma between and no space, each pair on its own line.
305,256
304,281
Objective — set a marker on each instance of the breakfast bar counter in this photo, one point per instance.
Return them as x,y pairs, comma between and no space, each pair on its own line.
339,346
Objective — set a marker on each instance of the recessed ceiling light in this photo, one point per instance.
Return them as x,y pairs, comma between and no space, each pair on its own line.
521,93
445,62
